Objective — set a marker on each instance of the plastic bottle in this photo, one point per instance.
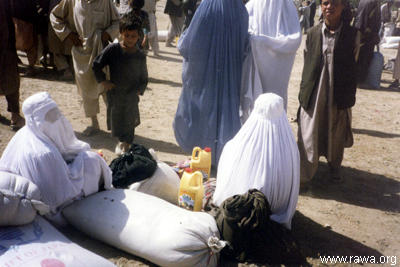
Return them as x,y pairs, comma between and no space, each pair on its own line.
201,160
191,190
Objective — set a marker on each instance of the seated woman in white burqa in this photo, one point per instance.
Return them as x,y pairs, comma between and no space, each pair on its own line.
263,155
47,152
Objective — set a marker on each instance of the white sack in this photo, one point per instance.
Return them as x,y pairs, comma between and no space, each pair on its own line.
163,184
275,36
20,200
162,36
390,42
388,29
390,46
39,244
263,155
148,227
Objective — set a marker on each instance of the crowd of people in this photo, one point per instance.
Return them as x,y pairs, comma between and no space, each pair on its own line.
232,54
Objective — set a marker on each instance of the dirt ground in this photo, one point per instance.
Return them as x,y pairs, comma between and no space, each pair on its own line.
359,217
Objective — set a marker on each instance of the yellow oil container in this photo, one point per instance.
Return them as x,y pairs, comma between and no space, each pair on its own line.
191,190
201,160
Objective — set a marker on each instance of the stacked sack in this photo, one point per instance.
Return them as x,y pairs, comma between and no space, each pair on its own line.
20,200
164,183
148,227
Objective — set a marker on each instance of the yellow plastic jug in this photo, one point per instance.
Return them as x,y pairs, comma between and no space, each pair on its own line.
191,190
201,160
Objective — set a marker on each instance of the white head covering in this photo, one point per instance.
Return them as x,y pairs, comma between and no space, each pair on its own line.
263,155
275,36
44,119
46,152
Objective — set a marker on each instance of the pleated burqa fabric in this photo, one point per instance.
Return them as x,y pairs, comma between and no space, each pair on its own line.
263,155
275,36
213,51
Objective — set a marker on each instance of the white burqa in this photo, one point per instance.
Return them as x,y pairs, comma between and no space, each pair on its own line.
263,155
275,36
46,152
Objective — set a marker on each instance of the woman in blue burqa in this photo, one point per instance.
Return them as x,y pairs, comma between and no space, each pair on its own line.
213,50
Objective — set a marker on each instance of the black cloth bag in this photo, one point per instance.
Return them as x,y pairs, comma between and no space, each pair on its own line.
133,166
243,221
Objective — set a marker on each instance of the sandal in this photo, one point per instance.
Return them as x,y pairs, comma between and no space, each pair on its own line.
16,125
90,130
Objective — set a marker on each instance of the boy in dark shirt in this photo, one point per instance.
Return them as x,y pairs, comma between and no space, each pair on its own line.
128,80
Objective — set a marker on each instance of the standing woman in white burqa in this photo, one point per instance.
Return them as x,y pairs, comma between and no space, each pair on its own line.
275,36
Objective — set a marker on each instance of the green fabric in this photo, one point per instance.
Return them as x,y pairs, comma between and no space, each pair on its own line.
243,221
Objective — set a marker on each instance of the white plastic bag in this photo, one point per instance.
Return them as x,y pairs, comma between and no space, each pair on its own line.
148,227
39,244
20,200
163,184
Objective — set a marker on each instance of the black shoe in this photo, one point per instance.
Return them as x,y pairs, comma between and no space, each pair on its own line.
43,61
394,84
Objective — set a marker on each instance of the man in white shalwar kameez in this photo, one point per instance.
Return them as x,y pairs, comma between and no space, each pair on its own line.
150,8
46,152
90,24
275,37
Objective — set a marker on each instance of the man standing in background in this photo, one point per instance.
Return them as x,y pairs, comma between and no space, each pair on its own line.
61,50
174,9
9,77
327,92
90,25
150,8
313,9
368,22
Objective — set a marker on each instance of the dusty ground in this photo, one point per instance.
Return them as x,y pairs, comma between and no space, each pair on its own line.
357,218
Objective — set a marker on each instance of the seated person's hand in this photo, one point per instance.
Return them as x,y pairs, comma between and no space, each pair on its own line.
108,85
74,37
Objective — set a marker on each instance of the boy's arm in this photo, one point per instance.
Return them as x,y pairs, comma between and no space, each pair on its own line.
143,76
102,60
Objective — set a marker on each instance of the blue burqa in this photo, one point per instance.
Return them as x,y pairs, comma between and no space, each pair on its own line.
213,50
